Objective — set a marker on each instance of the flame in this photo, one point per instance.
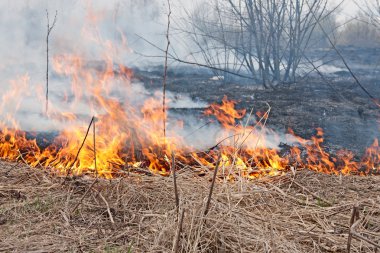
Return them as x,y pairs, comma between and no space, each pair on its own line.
226,112
129,134
254,157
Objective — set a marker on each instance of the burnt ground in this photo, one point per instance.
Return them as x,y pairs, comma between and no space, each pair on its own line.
335,103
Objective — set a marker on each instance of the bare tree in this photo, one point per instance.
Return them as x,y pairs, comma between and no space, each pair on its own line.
364,29
266,38
371,10
49,29
360,32
166,69
214,34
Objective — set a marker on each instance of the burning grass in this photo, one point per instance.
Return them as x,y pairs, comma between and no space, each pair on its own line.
302,211
129,130
261,201
249,150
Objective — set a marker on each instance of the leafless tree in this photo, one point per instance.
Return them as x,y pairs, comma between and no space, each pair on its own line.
166,69
214,34
371,10
49,29
266,38
364,29
360,32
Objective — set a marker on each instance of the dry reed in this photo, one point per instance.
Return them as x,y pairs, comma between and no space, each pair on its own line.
301,212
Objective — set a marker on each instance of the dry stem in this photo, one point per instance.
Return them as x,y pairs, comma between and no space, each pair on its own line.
166,71
175,184
49,29
81,146
179,231
212,184
267,214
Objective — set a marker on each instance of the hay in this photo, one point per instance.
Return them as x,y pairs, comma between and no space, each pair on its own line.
301,212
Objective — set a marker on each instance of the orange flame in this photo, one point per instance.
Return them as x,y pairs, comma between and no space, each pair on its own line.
130,135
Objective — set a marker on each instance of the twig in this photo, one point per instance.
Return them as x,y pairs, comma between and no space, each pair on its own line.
175,184
354,222
49,29
80,148
166,71
354,215
199,162
174,58
145,172
357,236
22,158
83,196
312,194
221,141
108,208
190,134
178,234
212,184
13,167
326,80
373,99
94,139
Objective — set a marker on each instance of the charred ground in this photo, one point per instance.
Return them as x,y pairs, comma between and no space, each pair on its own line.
333,102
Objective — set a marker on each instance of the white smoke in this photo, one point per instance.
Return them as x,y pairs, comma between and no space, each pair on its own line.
94,31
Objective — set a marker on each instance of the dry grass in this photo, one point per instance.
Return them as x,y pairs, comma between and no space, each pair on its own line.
305,212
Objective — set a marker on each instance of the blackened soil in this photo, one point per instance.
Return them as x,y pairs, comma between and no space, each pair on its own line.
336,104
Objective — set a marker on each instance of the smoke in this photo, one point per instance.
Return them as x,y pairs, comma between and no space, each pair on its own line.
90,39
89,29
23,28
90,45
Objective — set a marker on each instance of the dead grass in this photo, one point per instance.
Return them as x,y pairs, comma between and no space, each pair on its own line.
305,212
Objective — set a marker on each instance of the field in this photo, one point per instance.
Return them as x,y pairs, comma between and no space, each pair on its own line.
301,211
190,126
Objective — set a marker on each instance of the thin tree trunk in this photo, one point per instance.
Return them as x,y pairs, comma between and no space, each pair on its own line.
49,29
166,72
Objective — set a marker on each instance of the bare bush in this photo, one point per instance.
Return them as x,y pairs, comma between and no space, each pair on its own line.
359,33
364,31
265,38
371,10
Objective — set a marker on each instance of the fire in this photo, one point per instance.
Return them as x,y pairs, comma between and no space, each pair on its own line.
226,112
128,133
371,160
126,136
251,155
